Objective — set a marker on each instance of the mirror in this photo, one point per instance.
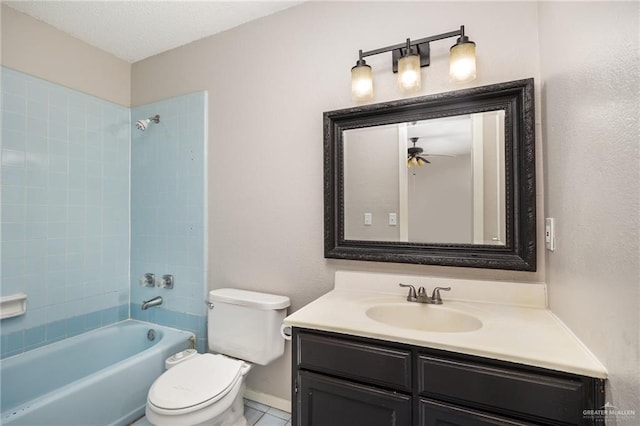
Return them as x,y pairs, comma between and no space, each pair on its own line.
446,179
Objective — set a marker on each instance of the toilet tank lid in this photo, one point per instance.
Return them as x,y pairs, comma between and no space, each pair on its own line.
251,299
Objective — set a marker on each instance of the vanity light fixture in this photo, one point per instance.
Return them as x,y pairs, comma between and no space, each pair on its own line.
409,57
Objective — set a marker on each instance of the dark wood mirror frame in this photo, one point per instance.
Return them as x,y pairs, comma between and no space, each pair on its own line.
516,98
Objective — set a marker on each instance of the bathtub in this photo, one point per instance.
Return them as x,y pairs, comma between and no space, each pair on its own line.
97,378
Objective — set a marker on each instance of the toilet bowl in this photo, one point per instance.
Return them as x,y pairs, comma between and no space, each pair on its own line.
243,327
181,397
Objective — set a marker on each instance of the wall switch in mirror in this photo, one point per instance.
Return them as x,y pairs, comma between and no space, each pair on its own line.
549,234
368,219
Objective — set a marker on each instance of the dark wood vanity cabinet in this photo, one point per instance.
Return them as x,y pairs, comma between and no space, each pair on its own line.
342,380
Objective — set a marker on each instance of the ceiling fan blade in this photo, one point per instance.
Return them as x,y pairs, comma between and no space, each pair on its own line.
438,155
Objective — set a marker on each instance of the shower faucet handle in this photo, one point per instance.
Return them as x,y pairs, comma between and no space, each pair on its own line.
165,282
147,280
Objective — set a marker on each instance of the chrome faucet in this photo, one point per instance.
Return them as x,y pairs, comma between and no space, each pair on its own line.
156,301
421,295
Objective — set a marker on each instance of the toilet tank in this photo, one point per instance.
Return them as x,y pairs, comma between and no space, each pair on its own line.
246,324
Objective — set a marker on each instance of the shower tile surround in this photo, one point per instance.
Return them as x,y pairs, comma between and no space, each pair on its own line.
168,207
66,206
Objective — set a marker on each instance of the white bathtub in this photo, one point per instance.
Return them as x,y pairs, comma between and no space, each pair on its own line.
97,378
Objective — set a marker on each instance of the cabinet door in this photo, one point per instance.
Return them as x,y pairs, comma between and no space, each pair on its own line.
434,413
325,401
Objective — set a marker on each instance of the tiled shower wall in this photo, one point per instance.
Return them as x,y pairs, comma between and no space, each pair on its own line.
168,205
65,211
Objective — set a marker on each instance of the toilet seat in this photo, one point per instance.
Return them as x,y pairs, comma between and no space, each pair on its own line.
195,383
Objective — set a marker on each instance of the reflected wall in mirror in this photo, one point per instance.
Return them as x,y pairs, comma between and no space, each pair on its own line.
428,181
445,179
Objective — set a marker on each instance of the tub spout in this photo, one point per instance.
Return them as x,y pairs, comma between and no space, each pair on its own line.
156,301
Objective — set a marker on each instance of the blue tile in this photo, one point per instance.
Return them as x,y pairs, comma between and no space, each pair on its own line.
38,149
44,182
13,139
110,315
37,128
123,312
14,103
36,177
38,91
92,320
35,336
12,343
13,231
56,330
13,176
58,96
75,325
37,196
13,194
36,109
13,82
13,158
12,249
13,213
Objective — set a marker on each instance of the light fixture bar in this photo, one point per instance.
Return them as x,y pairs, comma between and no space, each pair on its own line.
407,59
413,43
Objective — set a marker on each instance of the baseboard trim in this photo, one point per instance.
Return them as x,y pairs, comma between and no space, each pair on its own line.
270,400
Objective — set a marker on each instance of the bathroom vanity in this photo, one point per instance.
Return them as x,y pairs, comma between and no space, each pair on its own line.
362,356
348,380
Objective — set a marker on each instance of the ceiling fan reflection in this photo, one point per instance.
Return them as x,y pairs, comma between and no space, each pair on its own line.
415,156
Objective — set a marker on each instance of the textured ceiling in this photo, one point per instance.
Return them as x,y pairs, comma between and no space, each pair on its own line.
134,30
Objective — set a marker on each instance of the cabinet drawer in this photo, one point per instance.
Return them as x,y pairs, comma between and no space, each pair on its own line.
434,413
514,393
365,362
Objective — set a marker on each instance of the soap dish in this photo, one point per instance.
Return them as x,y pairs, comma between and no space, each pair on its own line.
12,306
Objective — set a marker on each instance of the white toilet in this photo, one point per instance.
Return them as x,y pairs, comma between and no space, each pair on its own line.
205,389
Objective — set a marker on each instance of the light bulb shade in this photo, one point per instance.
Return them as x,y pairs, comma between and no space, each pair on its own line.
462,61
409,72
361,82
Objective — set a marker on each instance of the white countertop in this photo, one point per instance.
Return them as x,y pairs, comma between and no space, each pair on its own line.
516,326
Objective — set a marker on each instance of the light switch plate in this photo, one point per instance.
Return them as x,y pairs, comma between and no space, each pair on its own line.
549,234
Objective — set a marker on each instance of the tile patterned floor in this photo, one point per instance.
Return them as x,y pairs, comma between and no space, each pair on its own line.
262,415
256,414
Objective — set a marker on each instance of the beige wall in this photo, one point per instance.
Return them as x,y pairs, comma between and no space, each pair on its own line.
269,82
371,182
38,49
591,123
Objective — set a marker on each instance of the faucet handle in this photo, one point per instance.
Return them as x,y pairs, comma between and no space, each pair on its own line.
435,296
412,292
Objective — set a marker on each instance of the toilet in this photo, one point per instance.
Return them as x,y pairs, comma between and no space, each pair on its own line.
243,328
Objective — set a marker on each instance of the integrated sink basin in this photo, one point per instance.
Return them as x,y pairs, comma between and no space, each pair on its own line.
423,317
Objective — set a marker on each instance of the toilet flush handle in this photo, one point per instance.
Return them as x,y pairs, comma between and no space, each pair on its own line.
209,304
